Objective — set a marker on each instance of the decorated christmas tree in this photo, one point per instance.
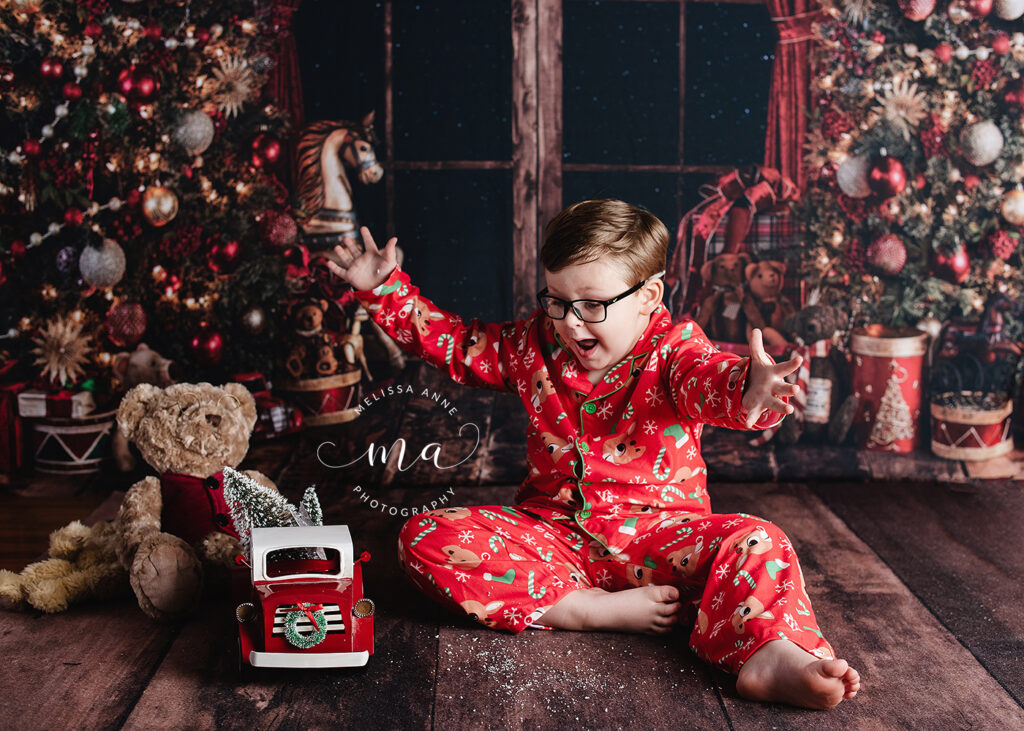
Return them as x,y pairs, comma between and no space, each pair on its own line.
140,187
914,208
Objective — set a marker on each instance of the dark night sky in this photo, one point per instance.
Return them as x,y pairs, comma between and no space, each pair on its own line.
452,100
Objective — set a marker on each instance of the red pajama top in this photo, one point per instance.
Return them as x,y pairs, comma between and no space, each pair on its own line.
615,458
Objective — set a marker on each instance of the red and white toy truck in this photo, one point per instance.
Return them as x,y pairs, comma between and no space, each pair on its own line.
303,612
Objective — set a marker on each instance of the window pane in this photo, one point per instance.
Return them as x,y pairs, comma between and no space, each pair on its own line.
341,59
453,80
729,53
455,227
620,83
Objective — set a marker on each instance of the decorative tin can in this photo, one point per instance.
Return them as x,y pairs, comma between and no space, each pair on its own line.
970,431
888,366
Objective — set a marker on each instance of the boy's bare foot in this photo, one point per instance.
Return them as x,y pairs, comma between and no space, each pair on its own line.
783,672
650,609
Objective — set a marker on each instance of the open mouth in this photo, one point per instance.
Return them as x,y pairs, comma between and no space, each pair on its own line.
586,346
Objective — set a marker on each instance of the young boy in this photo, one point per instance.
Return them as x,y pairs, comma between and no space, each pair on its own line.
612,529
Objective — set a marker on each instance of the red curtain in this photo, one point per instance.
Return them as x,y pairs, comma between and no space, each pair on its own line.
284,84
790,94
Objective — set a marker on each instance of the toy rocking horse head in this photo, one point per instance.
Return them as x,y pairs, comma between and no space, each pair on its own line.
325,149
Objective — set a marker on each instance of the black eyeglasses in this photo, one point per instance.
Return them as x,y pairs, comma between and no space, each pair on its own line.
588,310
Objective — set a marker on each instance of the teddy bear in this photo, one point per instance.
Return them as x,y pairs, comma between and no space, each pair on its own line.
720,314
763,303
188,433
142,365
82,564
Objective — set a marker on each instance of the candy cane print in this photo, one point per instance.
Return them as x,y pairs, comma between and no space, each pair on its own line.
628,413
419,536
545,557
494,516
657,465
738,645
529,588
695,495
447,591
803,608
505,578
746,576
495,542
558,419
682,533
668,490
448,350
577,541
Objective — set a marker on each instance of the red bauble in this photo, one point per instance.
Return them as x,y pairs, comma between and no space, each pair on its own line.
944,52
1001,44
971,182
124,82
887,177
138,84
126,324
202,35
1013,95
888,254
224,256
266,150
32,148
73,217
153,32
18,249
916,9
72,91
207,345
93,29
172,283
278,229
955,268
51,68
979,8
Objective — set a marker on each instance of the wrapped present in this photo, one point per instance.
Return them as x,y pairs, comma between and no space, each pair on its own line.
35,404
769,235
12,452
732,203
275,417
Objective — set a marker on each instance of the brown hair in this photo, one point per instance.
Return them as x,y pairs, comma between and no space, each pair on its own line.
634,237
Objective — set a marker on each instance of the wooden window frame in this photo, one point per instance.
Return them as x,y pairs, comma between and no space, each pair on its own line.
537,165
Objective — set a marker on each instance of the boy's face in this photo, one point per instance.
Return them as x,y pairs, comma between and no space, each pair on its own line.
612,340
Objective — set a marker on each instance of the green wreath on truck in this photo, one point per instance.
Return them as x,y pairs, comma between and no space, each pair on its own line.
316,615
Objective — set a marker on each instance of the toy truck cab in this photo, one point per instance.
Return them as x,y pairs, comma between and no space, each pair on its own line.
303,612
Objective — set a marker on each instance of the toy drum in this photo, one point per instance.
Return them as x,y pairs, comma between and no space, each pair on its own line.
887,377
325,401
970,431
68,446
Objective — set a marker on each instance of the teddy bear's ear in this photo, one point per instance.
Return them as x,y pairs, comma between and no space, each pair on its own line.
245,401
707,270
133,407
749,271
744,257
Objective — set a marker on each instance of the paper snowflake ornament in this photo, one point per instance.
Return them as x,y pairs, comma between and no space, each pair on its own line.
61,350
904,107
234,85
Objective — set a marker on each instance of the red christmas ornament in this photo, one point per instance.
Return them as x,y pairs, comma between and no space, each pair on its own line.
153,32
1013,95
971,182
72,91
979,8
944,52
133,198
277,229
32,148
73,217
920,181
18,249
138,84
916,9
1001,44
202,35
207,345
171,285
126,324
1002,244
887,177
888,254
51,68
93,29
266,150
953,268
224,256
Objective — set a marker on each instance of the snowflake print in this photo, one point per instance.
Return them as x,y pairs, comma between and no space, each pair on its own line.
653,397
521,385
712,399
604,578
466,536
703,358
417,566
691,453
650,427
748,644
513,616
528,539
557,583
704,526
535,422
786,545
722,571
731,523
605,410
717,601
388,318
485,367
636,480
786,585
461,576
502,532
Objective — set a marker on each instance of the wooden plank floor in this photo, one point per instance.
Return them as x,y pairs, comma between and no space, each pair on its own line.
915,583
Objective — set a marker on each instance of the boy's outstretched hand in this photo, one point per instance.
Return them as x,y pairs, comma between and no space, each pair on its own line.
367,268
765,382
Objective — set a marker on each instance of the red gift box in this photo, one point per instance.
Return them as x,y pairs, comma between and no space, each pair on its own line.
36,404
12,452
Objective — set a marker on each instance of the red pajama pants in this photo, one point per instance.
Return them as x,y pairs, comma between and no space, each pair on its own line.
505,566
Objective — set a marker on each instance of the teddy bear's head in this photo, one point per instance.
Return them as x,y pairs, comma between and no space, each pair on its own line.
308,317
814,323
725,270
189,428
764,279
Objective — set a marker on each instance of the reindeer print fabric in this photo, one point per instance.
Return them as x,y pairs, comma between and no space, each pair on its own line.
616,492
